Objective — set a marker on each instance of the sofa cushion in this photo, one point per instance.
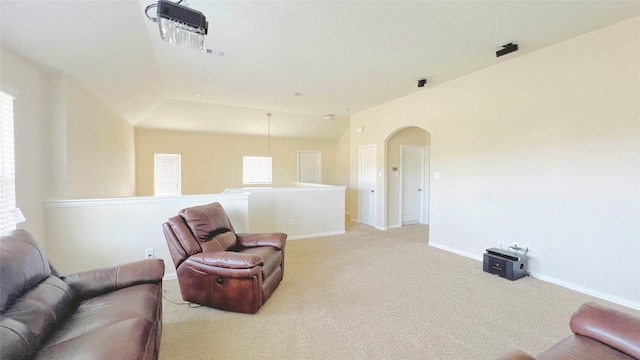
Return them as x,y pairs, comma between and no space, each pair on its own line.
136,302
271,257
224,259
24,265
126,339
207,221
31,318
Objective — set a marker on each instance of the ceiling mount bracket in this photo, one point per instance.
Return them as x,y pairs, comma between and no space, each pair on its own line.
506,49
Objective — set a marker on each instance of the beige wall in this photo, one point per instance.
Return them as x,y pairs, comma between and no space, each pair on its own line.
540,149
212,163
100,147
342,166
31,136
68,144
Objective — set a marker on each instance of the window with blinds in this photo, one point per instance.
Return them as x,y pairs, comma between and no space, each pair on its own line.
7,163
256,170
168,175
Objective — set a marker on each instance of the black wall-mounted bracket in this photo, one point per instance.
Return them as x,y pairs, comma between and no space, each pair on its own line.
506,49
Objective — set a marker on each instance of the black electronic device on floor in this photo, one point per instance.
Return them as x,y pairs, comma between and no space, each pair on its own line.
507,264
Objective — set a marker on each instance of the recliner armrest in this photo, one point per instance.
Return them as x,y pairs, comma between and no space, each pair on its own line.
226,259
277,240
612,327
96,282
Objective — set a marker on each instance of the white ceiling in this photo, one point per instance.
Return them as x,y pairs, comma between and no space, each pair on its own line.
342,54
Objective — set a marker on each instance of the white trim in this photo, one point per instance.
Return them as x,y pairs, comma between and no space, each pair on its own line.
545,278
143,200
382,228
586,290
170,276
455,251
306,187
308,236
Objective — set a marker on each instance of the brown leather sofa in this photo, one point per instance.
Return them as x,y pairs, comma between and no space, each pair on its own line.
110,313
217,267
599,333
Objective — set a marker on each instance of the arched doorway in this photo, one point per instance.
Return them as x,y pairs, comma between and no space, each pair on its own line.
407,190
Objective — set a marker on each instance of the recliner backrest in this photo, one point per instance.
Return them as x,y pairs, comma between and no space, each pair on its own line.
206,221
196,229
180,240
211,227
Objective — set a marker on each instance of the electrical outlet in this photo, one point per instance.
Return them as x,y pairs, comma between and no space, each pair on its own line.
148,253
291,221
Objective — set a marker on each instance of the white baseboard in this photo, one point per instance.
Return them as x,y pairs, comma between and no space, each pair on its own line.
307,236
587,291
455,251
170,276
575,287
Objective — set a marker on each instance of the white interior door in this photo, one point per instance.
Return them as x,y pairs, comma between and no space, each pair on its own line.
310,167
367,185
424,219
413,188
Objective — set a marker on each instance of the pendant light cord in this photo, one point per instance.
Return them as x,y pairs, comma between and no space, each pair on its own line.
269,134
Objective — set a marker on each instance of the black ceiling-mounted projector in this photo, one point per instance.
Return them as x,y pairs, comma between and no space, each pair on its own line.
506,49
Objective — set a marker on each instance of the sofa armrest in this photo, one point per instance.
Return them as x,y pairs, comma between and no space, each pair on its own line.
96,282
516,355
226,259
277,240
612,327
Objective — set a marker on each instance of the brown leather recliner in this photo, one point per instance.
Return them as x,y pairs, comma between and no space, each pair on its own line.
217,267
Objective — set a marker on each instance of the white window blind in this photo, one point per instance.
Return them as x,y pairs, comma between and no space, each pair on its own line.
7,163
256,170
168,175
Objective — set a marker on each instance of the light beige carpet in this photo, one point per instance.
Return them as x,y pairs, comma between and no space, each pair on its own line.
371,294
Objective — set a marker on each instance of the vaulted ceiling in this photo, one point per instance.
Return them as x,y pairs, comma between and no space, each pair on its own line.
341,56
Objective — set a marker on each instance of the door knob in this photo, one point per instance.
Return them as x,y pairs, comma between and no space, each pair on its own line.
372,190
419,189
